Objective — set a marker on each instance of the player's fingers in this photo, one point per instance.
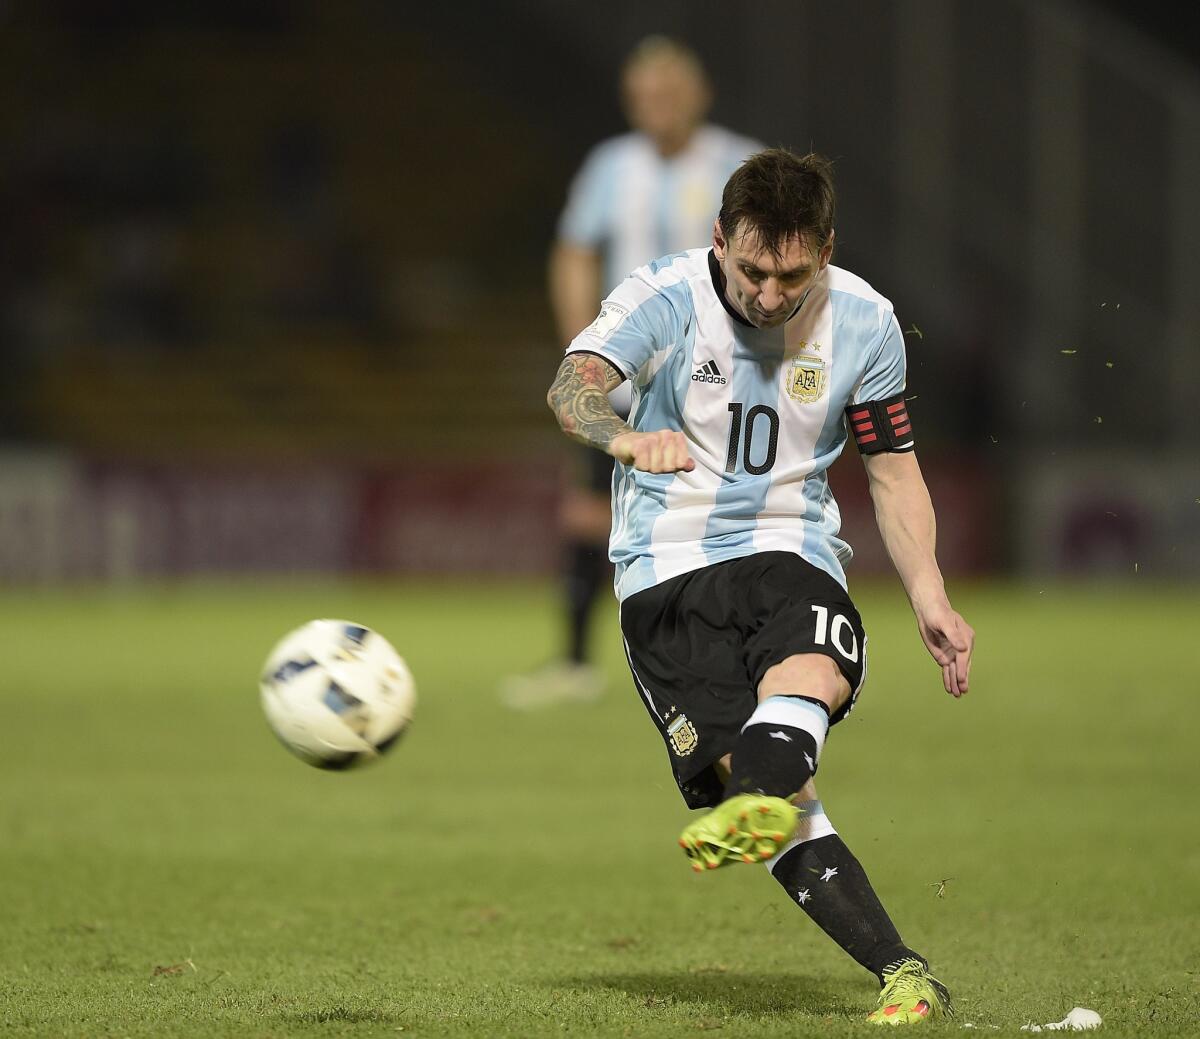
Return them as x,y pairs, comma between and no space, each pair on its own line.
964,636
680,458
962,658
674,450
655,459
667,455
953,680
951,648
663,452
962,666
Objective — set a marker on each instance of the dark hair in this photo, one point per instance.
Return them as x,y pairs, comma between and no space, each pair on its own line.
778,195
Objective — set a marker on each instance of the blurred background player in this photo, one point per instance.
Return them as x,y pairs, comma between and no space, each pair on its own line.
641,195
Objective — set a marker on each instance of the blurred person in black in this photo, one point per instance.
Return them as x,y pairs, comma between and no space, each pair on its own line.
641,195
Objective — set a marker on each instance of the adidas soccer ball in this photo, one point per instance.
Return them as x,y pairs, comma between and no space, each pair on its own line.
336,694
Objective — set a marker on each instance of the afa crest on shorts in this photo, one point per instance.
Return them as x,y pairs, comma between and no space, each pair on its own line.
805,379
683,736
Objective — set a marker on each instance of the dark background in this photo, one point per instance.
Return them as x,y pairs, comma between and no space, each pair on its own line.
288,235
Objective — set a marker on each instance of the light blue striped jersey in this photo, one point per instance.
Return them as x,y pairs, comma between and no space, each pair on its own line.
762,411
632,204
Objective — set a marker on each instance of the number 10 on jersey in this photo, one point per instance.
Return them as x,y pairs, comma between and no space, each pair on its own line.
736,438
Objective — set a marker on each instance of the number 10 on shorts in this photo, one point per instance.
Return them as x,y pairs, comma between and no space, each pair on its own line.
836,633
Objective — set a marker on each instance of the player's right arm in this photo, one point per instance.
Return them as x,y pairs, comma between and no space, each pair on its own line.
579,400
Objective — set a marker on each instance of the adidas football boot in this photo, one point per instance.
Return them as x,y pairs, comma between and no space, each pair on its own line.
910,995
746,828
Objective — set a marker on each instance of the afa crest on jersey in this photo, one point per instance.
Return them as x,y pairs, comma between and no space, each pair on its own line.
806,377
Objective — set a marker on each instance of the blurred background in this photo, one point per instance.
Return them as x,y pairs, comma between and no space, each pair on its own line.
272,283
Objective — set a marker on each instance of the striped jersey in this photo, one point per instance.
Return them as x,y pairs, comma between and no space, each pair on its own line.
632,204
762,411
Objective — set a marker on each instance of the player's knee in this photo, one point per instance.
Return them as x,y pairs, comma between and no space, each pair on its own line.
807,674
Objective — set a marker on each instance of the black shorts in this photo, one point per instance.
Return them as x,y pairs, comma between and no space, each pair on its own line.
699,644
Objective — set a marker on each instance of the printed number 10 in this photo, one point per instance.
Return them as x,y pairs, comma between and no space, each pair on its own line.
735,436
835,633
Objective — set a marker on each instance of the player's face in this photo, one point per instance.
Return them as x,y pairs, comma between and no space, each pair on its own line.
763,287
666,100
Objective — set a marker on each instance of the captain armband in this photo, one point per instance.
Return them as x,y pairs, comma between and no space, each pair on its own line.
881,425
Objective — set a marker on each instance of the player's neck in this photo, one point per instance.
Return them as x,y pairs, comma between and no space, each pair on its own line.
721,287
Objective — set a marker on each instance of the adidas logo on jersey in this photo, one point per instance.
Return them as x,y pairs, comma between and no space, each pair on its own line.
709,372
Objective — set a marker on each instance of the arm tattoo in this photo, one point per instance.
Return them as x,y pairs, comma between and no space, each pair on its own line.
579,400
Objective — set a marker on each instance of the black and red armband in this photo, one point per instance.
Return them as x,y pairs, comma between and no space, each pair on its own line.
881,425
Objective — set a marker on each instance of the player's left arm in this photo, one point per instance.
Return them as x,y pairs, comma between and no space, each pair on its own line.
904,513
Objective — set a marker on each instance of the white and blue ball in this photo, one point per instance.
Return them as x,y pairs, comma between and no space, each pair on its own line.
337,694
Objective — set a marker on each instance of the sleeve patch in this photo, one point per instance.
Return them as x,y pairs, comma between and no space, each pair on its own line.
881,425
611,317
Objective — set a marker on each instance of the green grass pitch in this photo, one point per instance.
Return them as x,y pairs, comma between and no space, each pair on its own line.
166,869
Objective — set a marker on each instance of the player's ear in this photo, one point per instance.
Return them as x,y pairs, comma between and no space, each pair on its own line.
718,239
827,250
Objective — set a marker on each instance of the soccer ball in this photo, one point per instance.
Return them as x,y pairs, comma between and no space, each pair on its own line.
337,694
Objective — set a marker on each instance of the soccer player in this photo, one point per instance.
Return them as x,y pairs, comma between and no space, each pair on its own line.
646,193
750,363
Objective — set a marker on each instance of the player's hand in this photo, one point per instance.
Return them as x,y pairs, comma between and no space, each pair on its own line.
661,451
950,641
